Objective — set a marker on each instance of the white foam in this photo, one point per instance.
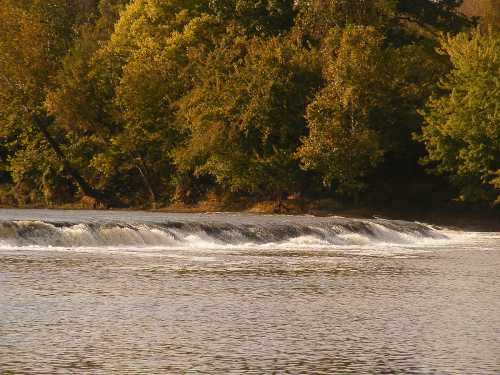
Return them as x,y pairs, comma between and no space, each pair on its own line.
376,236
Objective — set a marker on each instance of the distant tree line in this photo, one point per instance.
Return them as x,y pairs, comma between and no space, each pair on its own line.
146,102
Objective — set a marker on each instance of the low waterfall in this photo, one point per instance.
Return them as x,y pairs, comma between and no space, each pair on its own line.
220,233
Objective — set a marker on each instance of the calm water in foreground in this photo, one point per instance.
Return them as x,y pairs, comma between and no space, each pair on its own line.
138,293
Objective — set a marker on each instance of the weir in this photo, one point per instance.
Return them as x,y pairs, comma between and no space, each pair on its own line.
218,231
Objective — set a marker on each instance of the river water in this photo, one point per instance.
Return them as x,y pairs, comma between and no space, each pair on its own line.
146,293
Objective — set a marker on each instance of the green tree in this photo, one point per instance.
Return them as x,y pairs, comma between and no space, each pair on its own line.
342,145
136,99
317,17
78,102
462,132
441,15
115,94
395,18
35,36
158,74
266,17
365,115
244,117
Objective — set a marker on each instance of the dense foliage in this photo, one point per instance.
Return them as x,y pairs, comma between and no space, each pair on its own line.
462,131
145,102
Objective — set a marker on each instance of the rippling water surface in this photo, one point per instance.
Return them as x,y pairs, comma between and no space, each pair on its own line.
137,293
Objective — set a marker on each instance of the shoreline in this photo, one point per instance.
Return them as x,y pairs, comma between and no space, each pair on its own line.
458,218
451,219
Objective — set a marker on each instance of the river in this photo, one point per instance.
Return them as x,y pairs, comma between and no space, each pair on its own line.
102,292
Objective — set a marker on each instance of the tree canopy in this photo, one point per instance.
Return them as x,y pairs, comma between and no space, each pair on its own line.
462,131
144,102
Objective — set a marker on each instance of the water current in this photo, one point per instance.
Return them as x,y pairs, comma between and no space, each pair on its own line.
102,292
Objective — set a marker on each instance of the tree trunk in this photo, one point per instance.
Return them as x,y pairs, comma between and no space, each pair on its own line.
147,184
42,123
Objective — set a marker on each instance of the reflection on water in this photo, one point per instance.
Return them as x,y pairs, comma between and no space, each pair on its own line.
385,310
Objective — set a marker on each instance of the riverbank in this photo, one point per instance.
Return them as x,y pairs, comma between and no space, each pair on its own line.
454,216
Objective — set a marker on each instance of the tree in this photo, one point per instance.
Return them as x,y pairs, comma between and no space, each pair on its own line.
367,108
266,17
244,117
441,15
462,131
317,17
158,73
392,17
342,144
116,92
142,100
34,37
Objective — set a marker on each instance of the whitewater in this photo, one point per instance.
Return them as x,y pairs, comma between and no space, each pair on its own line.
83,229
105,292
